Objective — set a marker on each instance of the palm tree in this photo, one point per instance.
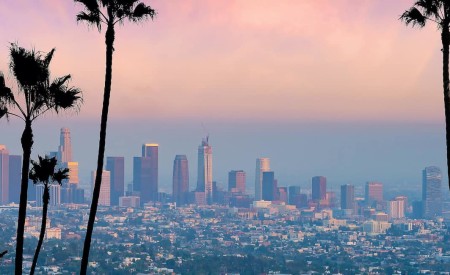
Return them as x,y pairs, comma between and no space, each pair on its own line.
437,12
43,172
109,13
38,95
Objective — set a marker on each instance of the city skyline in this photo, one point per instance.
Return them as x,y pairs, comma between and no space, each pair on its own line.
260,93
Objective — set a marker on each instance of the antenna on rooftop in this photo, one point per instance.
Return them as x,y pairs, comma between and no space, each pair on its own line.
205,132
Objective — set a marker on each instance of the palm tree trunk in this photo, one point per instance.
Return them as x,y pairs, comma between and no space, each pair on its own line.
109,40
27,144
445,77
45,200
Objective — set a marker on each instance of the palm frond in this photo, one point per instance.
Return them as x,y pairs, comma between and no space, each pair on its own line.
142,12
89,5
28,67
64,97
414,16
61,175
91,18
43,171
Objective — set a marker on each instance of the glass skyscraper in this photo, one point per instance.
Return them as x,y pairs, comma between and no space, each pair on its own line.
204,175
431,191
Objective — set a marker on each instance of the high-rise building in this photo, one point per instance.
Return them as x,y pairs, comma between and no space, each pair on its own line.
65,146
105,189
4,175
180,180
145,173
396,209
269,186
116,167
374,193
262,165
236,181
282,194
347,196
15,174
294,192
204,175
55,195
319,188
431,191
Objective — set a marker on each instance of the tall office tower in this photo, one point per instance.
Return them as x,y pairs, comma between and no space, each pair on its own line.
282,194
105,189
39,189
73,172
374,193
347,196
55,195
319,188
236,181
116,167
294,192
180,180
269,186
4,175
431,191
262,165
145,173
71,183
204,174
65,146
15,174
396,209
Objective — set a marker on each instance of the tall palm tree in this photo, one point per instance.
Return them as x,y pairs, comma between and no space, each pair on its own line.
437,12
44,173
36,96
109,13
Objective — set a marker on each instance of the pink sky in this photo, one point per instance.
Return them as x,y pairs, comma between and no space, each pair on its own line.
335,60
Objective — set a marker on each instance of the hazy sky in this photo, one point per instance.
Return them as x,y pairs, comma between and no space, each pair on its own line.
337,77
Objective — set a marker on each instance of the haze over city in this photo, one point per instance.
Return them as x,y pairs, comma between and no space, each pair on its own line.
316,90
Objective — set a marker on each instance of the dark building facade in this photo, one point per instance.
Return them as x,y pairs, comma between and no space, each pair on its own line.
145,173
15,168
180,183
347,196
269,186
319,188
116,166
236,181
431,192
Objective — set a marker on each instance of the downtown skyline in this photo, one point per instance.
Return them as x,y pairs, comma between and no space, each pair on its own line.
337,103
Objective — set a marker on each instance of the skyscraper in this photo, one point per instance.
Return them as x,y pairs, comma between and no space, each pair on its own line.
294,192
69,184
396,209
145,173
262,165
15,174
431,191
105,189
374,193
116,167
204,175
319,188
180,180
65,146
269,186
236,181
347,196
4,175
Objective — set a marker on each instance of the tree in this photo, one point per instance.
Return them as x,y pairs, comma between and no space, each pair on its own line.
36,96
44,173
109,13
437,12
